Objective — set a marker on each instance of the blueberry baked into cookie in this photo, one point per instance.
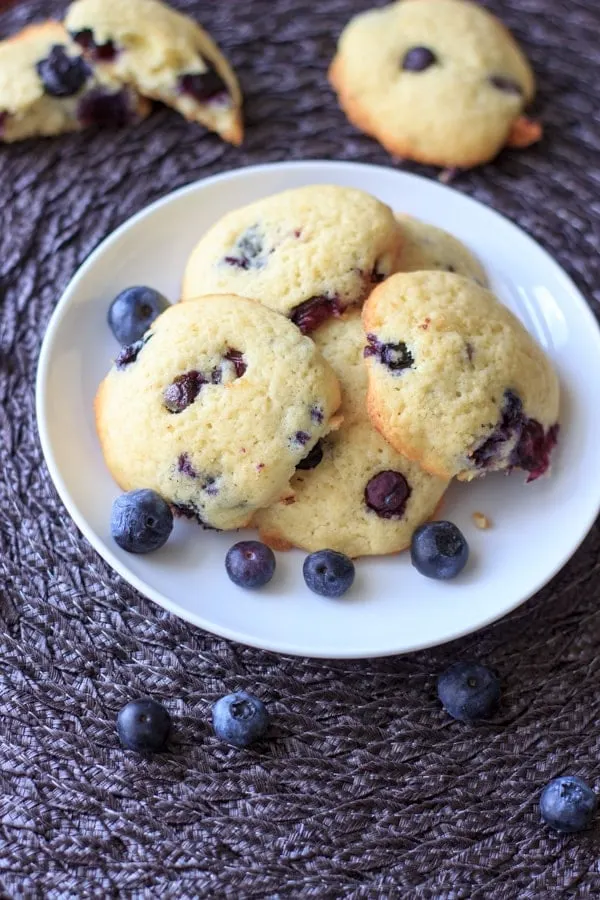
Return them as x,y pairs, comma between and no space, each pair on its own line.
438,81
214,408
308,253
47,88
165,54
353,493
428,248
455,380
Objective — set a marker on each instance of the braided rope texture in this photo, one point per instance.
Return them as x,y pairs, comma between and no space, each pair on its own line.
367,790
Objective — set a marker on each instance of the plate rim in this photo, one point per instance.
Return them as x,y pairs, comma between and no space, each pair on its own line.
145,589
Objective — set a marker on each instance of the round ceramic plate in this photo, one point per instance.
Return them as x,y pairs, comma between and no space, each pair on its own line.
391,608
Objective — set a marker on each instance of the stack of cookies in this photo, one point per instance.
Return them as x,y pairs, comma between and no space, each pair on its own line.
330,369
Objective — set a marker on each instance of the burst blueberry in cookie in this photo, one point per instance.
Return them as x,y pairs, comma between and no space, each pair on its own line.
47,88
438,81
166,55
183,411
353,493
309,253
480,395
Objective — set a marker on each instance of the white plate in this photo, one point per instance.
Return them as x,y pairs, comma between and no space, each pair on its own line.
391,609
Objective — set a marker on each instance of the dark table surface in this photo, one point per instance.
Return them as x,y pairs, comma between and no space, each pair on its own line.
367,789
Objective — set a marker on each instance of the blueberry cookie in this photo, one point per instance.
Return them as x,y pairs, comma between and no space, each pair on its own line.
214,408
455,380
438,81
429,248
353,493
308,253
47,88
165,54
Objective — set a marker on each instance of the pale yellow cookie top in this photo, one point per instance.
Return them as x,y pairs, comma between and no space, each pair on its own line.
455,351
232,445
329,508
450,113
20,84
155,45
320,241
429,248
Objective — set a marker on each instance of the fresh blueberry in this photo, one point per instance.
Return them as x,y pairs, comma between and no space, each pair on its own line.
439,550
328,573
133,311
469,691
568,804
417,59
313,457
143,725
62,75
250,564
141,521
240,719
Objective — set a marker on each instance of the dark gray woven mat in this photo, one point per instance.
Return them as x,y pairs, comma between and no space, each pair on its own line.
368,789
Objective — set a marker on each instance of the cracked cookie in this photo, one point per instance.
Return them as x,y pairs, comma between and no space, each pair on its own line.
47,88
165,54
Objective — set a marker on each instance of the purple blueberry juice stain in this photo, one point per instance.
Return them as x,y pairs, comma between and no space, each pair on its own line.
377,276
387,494
313,312
129,354
204,87
189,511
184,465
396,357
517,441
178,395
103,109
302,438
249,251
98,52
237,358
210,486
317,414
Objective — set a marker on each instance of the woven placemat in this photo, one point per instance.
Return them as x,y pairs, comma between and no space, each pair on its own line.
368,789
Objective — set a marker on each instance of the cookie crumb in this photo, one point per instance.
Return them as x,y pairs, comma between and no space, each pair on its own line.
481,521
448,175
